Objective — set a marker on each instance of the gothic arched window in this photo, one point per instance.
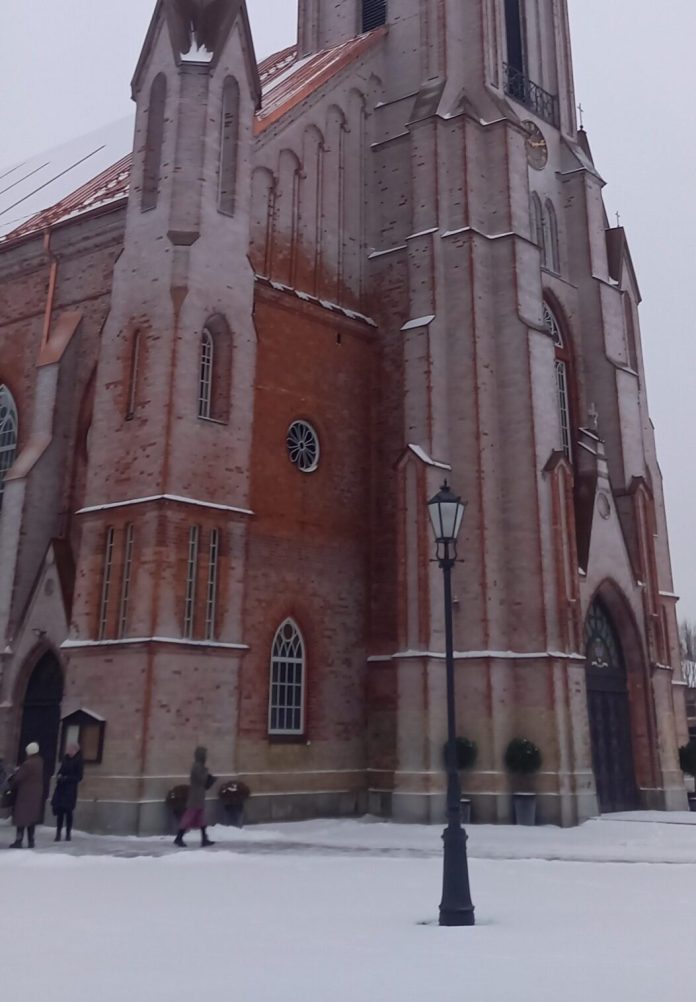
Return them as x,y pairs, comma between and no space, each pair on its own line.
562,371
9,428
215,370
154,141
205,384
287,681
229,140
553,257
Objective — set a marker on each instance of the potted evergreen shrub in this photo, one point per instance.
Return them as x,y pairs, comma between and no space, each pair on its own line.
466,752
233,795
522,760
687,761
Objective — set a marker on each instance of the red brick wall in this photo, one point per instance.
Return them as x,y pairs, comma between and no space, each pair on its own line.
308,541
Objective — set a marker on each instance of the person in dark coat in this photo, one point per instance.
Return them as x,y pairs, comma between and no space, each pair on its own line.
28,782
194,815
65,794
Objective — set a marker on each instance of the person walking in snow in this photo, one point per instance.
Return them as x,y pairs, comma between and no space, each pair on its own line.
64,796
28,782
194,815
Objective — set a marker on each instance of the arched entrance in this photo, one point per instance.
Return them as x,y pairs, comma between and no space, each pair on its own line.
41,711
610,713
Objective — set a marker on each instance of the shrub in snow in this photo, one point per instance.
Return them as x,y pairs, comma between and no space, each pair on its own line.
522,757
466,752
234,794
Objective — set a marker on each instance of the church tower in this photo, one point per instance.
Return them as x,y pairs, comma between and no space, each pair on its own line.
505,330
167,487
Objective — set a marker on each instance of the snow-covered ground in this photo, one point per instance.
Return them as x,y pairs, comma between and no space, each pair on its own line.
347,910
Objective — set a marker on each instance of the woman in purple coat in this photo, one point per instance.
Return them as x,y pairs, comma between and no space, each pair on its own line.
28,782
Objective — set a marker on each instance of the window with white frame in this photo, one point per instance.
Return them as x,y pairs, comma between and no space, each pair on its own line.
106,584
191,575
126,582
286,697
211,596
205,384
9,427
562,370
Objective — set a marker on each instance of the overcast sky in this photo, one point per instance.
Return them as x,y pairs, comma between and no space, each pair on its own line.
69,67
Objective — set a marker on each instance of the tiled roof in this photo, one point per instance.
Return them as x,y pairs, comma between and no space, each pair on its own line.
28,202
285,90
108,187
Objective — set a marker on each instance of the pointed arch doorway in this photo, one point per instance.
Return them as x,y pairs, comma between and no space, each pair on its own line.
610,713
41,711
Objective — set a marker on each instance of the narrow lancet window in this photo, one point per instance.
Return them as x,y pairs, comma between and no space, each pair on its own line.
126,582
205,386
562,370
229,142
553,256
8,435
106,584
154,141
211,597
515,36
191,575
133,377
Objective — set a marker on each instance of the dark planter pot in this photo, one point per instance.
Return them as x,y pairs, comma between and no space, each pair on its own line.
234,814
465,808
524,805
692,801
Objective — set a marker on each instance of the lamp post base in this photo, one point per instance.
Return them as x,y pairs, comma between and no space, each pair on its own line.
456,907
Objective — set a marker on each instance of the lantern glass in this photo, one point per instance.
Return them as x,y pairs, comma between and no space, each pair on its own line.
446,513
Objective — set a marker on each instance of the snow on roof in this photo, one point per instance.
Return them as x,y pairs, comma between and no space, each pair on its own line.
287,81
28,188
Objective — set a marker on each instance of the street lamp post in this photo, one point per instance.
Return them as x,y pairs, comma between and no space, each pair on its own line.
446,513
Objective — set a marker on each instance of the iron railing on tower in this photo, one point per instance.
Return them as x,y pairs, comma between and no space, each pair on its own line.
531,95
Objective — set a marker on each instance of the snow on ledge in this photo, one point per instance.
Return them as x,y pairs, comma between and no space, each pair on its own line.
164,497
428,460
478,655
412,325
179,641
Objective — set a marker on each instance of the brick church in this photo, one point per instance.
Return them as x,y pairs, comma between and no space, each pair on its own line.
235,364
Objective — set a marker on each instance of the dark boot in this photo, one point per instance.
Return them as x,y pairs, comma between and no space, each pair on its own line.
68,827
179,840
59,828
205,841
30,833
17,844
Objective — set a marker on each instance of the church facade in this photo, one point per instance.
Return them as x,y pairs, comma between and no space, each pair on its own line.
235,366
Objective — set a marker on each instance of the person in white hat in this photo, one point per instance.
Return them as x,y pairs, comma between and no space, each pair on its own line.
28,782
